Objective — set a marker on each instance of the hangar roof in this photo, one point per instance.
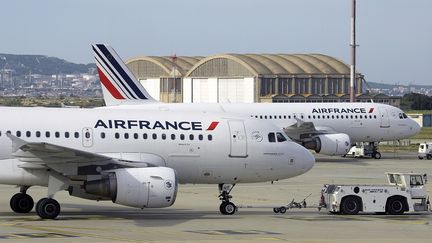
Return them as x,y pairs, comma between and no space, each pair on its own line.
276,64
238,65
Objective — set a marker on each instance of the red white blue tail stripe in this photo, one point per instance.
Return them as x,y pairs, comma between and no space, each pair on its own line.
116,77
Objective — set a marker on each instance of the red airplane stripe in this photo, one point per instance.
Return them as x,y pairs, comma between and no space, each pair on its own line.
105,81
212,126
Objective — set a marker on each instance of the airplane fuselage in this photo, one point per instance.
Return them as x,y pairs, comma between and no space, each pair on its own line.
201,148
363,122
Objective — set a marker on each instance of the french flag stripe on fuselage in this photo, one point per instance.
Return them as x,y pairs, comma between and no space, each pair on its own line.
108,70
122,73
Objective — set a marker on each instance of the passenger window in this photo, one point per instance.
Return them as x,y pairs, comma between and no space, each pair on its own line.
57,134
270,117
47,134
67,134
154,136
163,136
182,136
135,135
38,134
271,137
280,137
191,137
28,134
173,136
126,135
76,134
209,137
18,134
102,135
117,135
145,136
200,137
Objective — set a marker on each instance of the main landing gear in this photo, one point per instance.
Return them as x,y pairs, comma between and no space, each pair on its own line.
226,207
46,208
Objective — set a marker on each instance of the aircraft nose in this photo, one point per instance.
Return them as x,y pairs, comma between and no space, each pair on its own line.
305,158
415,128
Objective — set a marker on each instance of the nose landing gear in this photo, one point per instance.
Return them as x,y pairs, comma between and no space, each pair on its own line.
226,207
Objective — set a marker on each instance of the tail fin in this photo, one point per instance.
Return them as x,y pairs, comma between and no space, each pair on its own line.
119,85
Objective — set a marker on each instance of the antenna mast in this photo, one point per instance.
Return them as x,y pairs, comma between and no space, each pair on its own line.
353,53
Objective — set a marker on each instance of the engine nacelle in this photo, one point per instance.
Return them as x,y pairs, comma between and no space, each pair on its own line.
330,144
154,187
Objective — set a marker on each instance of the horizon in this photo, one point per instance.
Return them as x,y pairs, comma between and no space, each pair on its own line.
394,44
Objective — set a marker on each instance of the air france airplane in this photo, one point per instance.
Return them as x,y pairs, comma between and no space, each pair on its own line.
327,128
137,158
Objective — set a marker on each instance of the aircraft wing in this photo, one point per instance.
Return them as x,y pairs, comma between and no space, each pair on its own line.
302,130
67,161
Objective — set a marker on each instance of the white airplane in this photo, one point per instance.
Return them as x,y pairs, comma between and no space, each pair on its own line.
137,158
327,128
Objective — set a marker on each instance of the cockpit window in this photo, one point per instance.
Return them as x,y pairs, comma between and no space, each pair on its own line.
400,116
280,137
405,115
271,137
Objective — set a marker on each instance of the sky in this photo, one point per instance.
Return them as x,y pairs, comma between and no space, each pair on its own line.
394,36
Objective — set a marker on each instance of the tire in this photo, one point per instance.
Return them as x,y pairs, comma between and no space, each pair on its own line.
227,208
420,157
21,203
282,210
276,210
350,205
377,155
395,206
48,208
428,157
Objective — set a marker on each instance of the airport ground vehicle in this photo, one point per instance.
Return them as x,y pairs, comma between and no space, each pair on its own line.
425,151
364,149
405,192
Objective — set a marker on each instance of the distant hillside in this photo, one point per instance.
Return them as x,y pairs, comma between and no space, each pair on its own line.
390,86
39,64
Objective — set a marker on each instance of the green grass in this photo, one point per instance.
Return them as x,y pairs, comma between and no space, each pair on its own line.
425,133
418,111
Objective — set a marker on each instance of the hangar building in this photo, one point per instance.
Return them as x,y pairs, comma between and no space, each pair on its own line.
247,78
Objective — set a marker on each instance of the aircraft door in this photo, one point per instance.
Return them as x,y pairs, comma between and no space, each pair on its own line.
87,137
385,120
238,139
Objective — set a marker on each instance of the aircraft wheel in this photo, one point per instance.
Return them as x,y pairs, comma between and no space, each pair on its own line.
429,157
21,203
420,157
48,208
276,210
282,210
227,208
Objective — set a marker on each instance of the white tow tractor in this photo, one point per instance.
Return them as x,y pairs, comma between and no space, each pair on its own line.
405,192
364,149
425,151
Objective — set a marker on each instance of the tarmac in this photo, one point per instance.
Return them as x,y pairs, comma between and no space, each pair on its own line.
195,216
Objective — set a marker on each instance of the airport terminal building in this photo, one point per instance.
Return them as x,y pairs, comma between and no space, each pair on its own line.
249,78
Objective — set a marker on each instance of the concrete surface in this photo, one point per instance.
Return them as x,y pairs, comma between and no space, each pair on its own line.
195,216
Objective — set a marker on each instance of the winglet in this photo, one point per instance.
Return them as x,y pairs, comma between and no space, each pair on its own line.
119,85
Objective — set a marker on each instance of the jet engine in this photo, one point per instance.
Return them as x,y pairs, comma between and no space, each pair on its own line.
154,187
330,144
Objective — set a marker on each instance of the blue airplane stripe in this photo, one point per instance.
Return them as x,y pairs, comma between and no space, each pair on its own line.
117,80
122,72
